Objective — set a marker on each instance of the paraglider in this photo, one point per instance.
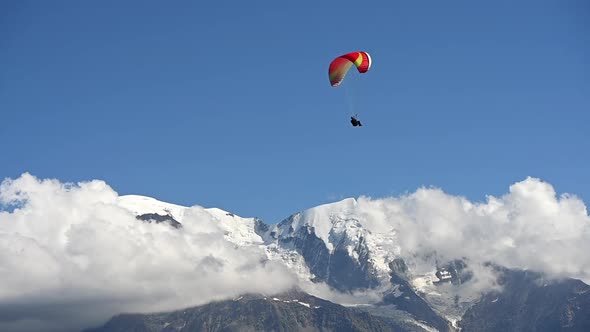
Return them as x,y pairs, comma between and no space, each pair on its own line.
355,122
340,66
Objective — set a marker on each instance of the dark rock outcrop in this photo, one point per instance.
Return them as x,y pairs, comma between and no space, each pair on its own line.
159,218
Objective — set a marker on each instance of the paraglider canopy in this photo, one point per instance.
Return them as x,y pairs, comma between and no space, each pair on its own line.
339,66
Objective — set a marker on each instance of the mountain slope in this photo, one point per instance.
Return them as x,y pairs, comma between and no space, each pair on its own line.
528,302
335,246
292,311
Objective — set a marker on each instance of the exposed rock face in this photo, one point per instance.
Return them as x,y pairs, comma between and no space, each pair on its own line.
404,298
337,268
159,218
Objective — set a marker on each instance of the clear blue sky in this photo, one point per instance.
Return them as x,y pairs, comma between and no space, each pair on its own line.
228,104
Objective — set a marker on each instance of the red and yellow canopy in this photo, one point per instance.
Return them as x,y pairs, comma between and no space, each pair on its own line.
340,66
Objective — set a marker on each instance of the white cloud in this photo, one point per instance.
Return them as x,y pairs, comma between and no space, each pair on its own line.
531,227
71,251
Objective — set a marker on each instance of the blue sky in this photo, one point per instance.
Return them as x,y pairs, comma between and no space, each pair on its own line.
228,103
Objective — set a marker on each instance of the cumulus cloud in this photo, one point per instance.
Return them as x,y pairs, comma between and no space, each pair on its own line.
71,257
530,227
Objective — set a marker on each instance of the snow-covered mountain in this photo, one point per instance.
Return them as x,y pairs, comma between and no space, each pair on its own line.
336,231
317,243
351,249
241,231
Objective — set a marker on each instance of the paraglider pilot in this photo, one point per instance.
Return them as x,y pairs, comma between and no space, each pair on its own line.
355,122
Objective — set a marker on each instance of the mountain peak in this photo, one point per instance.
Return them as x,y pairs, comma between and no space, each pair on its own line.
237,229
321,219
140,205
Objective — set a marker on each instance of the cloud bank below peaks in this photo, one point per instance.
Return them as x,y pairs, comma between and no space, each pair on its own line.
72,251
530,227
